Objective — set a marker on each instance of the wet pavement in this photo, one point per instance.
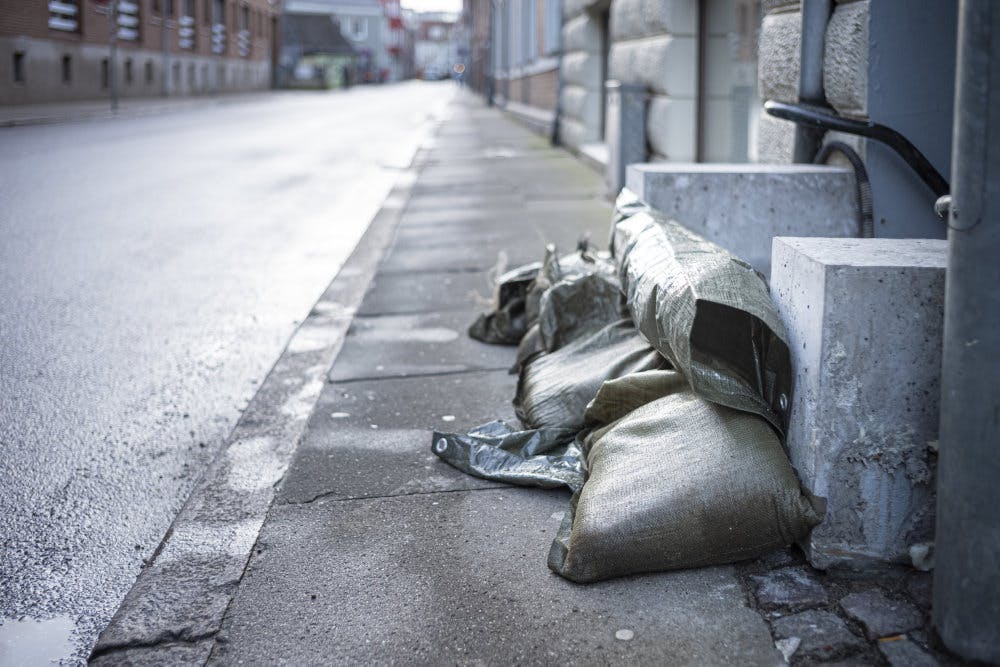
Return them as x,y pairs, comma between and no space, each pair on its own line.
152,269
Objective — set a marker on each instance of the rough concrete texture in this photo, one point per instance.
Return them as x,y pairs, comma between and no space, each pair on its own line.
642,18
778,56
789,589
664,63
671,128
881,616
864,318
821,636
742,207
845,59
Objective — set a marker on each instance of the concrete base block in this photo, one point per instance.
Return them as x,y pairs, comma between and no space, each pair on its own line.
742,207
864,320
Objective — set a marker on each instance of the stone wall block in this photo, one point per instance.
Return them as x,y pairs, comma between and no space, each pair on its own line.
581,34
631,19
581,104
665,64
865,320
778,56
670,128
582,69
845,60
775,139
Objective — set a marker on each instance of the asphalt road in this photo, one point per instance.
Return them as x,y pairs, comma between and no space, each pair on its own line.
151,271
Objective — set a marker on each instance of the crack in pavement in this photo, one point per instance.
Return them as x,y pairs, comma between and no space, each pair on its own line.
328,494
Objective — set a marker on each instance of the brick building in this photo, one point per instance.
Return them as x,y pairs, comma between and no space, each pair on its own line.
59,50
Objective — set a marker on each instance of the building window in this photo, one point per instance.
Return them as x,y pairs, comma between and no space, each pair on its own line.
191,81
243,36
218,26
553,23
67,69
18,68
105,73
128,20
177,74
128,72
63,15
185,26
357,29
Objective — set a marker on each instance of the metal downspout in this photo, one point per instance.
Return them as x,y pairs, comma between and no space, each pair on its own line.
815,15
554,139
966,581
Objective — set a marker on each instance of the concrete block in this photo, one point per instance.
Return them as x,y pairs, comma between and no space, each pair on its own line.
625,133
573,133
742,207
778,56
864,319
667,64
771,5
571,8
845,60
670,127
582,69
581,33
775,139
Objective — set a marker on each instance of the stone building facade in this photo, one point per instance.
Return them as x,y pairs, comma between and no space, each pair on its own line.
59,50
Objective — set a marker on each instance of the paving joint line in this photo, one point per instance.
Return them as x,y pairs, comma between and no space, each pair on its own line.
376,378
388,496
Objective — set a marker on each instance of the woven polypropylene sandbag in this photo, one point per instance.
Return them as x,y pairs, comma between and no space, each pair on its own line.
680,482
554,389
707,311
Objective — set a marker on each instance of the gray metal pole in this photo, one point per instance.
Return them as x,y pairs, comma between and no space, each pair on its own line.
113,56
967,571
815,16
165,39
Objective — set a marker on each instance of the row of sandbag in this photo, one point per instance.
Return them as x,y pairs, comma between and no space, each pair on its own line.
654,384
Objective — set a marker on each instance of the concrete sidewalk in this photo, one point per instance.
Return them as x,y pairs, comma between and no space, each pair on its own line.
375,551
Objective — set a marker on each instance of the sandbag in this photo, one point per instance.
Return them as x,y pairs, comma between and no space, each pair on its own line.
507,323
553,389
705,310
677,482
546,458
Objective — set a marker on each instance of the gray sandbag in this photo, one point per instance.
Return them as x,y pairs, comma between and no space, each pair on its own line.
678,482
578,306
707,311
553,389
507,323
546,458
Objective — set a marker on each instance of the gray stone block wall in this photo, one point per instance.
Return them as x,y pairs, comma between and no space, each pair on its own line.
582,84
742,207
864,319
845,59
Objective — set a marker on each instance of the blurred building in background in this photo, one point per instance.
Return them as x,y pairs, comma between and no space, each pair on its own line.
374,28
314,54
59,50
434,48
697,60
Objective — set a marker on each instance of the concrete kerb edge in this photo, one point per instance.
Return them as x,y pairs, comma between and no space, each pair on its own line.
269,429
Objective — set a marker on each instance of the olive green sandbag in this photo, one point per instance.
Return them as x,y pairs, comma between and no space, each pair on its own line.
705,310
553,389
675,483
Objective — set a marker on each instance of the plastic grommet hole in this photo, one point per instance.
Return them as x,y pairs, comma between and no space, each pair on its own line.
783,402
440,446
